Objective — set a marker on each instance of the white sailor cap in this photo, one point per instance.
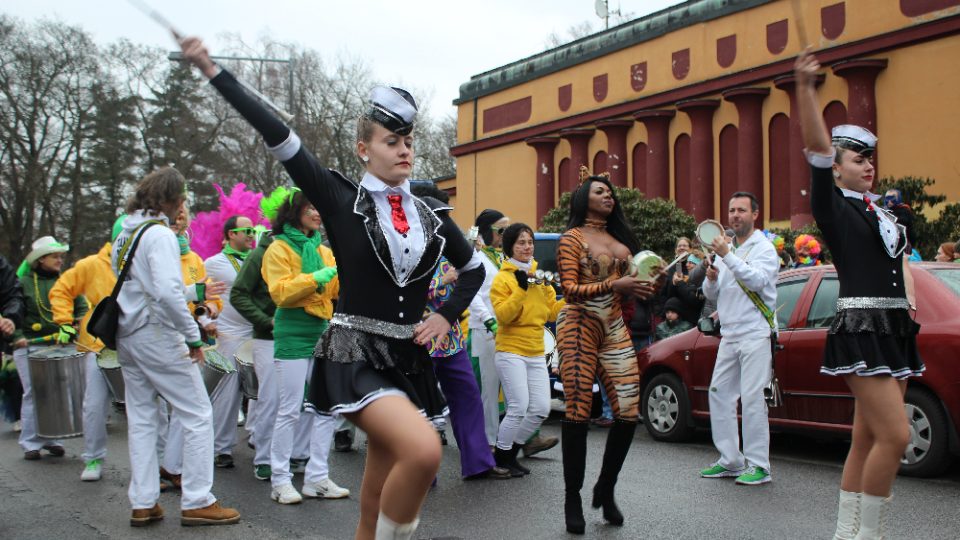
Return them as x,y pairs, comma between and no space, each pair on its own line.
855,138
393,108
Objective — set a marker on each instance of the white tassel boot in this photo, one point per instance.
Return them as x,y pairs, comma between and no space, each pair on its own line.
387,529
848,516
873,517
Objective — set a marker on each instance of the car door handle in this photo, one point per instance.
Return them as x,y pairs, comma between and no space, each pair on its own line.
780,346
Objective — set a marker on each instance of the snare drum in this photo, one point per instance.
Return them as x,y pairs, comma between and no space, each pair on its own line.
215,367
249,384
110,369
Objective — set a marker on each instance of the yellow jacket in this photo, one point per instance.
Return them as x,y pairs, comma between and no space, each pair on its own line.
520,313
191,265
91,277
291,288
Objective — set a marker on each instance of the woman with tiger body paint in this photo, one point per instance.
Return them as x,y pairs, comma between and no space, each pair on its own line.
593,256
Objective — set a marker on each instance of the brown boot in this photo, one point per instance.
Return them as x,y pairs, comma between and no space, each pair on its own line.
145,516
172,479
211,515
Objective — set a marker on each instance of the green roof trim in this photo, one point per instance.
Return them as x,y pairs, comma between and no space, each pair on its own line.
601,44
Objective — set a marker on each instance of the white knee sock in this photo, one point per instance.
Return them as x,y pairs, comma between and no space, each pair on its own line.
848,516
387,529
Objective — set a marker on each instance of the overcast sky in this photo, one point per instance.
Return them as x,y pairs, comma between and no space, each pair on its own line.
429,44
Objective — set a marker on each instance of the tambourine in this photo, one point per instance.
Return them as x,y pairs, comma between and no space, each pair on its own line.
540,277
645,266
708,231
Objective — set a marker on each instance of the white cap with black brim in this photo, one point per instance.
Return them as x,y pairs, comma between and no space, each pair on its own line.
393,108
855,138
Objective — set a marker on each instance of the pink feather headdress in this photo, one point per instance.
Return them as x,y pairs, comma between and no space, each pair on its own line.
206,229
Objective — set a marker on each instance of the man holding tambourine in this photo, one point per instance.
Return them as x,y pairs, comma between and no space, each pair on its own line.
742,279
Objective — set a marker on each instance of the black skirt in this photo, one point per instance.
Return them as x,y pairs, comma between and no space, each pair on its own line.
353,368
873,342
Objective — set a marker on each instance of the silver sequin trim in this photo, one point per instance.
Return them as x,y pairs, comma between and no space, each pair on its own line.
871,302
374,326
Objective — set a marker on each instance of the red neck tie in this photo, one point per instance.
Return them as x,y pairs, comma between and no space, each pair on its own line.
397,215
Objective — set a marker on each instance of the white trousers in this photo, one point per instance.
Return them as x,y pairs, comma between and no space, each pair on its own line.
741,372
483,347
291,378
96,406
262,423
226,399
155,361
526,389
29,440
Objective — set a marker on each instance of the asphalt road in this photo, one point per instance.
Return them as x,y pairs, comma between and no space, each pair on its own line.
659,492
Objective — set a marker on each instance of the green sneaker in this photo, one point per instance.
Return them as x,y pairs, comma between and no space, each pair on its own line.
92,472
753,476
262,472
719,471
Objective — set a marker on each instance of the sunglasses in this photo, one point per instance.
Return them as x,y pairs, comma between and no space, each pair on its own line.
500,230
249,231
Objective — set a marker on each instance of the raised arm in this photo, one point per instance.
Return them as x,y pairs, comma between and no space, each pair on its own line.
321,186
816,139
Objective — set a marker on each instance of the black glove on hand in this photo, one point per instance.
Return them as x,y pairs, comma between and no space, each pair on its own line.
522,278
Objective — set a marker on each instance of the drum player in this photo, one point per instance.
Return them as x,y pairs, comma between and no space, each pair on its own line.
232,331
93,279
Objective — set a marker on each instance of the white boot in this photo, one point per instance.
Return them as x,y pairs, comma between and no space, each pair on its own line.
848,516
387,529
873,517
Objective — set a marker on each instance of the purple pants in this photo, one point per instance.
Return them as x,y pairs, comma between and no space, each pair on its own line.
459,386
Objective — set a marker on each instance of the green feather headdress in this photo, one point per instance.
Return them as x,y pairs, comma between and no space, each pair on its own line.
271,204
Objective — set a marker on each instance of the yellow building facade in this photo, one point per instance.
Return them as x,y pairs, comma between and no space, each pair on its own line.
695,102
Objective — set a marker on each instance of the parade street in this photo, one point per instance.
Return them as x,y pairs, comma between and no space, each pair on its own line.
659,492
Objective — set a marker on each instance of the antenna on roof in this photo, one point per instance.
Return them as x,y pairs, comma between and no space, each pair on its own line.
602,7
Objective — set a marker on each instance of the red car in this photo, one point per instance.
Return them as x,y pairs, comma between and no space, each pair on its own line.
675,373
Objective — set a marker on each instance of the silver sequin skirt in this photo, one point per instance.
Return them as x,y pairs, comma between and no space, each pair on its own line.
353,368
872,342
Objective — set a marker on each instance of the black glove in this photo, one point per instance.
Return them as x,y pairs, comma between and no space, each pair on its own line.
522,278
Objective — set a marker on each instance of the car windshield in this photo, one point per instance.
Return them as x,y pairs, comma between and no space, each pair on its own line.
949,276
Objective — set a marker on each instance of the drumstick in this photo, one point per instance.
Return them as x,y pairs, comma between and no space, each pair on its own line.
801,27
675,261
164,22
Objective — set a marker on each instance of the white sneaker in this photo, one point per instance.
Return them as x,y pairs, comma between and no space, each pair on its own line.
285,494
324,489
92,472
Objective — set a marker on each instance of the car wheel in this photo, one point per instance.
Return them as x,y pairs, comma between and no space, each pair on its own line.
927,453
666,409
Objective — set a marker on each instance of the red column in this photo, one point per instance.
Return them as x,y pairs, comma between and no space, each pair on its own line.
616,131
861,76
798,184
657,123
579,139
544,173
700,112
749,102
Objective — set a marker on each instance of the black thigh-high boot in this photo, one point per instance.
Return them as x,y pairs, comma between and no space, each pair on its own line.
618,444
574,445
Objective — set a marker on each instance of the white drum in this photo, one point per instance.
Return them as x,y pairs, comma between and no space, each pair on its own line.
110,369
708,231
215,367
646,266
249,385
549,346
